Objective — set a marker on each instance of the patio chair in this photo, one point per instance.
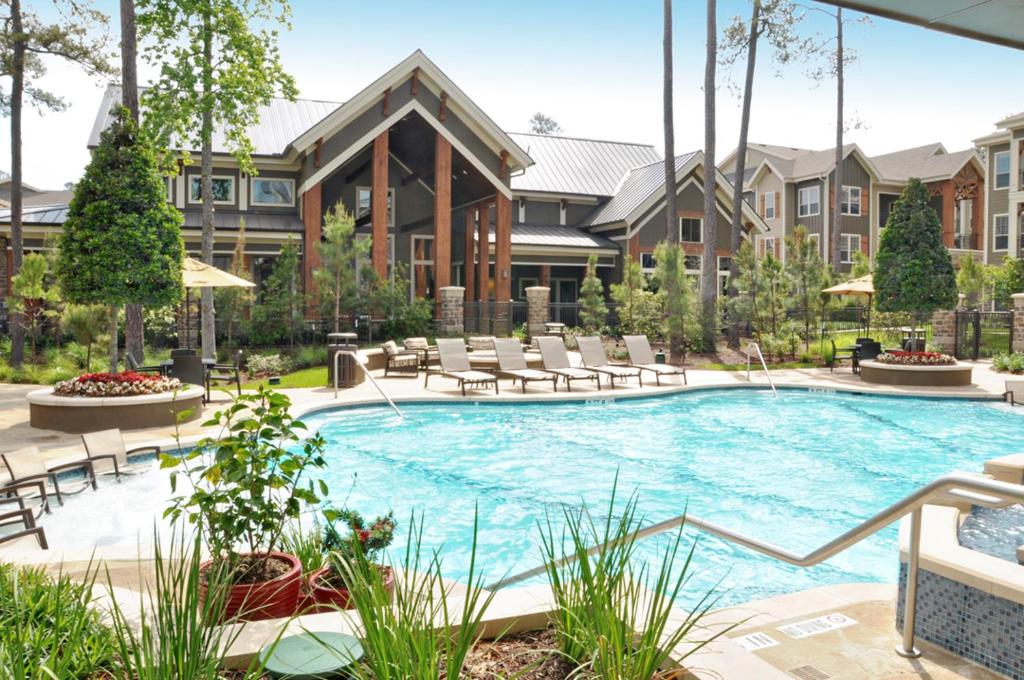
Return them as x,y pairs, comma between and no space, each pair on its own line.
454,360
426,351
556,361
480,343
20,492
839,355
595,359
133,365
512,363
225,374
27,465
29,528
110,456
641,356
405,363
190,371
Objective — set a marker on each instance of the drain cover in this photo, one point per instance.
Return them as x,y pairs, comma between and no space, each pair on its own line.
809,673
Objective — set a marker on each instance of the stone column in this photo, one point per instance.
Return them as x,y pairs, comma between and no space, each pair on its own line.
537,309
451,310
1018,322
944,330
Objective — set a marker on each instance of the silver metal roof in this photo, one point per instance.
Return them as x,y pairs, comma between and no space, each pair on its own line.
636,187
280,123
253,221
44,214
555,236
569,165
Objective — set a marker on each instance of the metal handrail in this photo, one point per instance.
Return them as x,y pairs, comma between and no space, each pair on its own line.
355,358
952,488
763,365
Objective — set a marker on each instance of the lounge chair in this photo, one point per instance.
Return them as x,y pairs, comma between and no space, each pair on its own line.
595,359
27,465
556,361
454,360
109,456
226,374
512,363
28,523
641,356
426,351
403,362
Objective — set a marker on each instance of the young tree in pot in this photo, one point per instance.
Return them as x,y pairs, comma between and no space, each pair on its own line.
357,545
246,485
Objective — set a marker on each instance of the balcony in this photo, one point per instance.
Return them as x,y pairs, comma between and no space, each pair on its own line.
965,242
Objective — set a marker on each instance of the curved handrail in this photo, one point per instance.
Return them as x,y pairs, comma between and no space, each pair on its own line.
355,358
763,366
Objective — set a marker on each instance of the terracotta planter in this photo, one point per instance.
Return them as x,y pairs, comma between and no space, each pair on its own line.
322,597
273,599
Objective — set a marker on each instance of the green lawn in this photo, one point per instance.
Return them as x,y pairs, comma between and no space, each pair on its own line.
306,377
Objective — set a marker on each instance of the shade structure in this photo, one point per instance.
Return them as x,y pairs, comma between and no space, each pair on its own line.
863,286
196,274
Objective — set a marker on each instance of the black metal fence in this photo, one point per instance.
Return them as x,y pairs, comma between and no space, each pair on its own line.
493,318
982,334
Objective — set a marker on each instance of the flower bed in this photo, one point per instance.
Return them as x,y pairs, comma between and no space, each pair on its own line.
916,359
126,384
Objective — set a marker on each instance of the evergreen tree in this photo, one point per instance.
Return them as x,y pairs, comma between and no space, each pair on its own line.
682,315
1008,278
746,304
913,269
121,243
638,308
278,313
232,301
804,271
775,291
85,323
31,300
340,255
593,310
971,281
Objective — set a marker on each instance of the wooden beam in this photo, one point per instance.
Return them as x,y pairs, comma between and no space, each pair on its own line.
468,266
416,176
316,152
415,81
379,206
483,265
442,114
442,214
352,174
386,109
948,213
312,219
503,168
502,247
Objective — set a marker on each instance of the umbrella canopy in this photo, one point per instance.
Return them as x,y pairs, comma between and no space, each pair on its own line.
861,286
196,274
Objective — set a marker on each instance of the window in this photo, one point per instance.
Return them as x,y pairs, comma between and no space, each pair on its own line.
850,204
690,229
724,262
769,246
169,188
692,264
816,240
524,283
1001,232
808,201
363,198
223,189
769,205
1001,161
848,245
647,262
273,191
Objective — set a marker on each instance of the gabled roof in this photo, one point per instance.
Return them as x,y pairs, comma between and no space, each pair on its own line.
636,187
784,152
280,122
930,162
571,165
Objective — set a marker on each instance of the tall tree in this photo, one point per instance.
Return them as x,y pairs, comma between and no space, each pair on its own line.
670,286
134,330
340,256
216,69
773,20
837,186
804,269
709,264
541,124
234,300
593,310
25,43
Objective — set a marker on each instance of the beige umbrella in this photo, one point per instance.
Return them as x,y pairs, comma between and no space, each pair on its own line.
862,287
196,274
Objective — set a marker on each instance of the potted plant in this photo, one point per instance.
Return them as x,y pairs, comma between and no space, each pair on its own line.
351,544
245,486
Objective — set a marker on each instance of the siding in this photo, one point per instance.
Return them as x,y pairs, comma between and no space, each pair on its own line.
854,175
690,199
814,223
541,212
998,203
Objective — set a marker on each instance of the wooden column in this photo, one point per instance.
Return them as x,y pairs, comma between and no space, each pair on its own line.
467,264
948,213
312,219
379,205
483,265
502,247
442,213
545,275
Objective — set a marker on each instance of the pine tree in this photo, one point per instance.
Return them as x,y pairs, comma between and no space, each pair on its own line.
638,308
593,310
804,270
682,315
277,315
913,269
232,301
340,255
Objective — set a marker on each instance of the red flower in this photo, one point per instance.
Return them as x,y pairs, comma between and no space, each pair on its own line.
364,535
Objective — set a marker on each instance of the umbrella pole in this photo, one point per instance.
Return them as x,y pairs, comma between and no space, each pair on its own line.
188,319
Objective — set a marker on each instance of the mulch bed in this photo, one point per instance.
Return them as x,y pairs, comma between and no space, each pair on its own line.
527,656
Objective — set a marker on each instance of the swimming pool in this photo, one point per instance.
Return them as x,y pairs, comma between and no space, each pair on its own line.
796,470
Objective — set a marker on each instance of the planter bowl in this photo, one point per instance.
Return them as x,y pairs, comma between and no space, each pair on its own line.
273,599
322,597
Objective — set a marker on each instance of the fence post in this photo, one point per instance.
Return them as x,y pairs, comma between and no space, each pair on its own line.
536,309
944,330
1017,330
452,320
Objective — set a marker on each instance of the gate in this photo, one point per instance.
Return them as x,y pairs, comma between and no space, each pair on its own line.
982,334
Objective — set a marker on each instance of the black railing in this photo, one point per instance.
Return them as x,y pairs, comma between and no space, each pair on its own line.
964,242
982,334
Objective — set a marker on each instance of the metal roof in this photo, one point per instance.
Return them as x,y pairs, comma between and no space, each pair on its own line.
46,214
636,187
927,162
554,235
253,221
570,165
280,123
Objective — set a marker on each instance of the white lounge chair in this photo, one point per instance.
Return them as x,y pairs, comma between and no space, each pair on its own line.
27,465
641,356
556,361
512,363
595,359
110,456
455,365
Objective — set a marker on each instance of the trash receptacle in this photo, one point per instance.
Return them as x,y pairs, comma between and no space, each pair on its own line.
349,374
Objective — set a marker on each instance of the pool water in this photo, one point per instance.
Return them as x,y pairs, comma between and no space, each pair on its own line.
994,531
796,470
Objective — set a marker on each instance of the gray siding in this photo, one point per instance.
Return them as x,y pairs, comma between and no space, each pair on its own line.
541,212
815,223
854,175
576,212
691,199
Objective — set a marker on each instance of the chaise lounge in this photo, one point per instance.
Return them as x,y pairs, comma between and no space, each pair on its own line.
109,456
595,359
641,356
556,361
27,465
455,365
512,363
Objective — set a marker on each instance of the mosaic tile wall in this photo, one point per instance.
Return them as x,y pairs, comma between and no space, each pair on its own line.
970,623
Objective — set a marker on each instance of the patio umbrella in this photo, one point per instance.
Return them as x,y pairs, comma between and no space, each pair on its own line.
861,287
196,274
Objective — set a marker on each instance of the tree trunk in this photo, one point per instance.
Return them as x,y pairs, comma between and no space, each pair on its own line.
837,191
206,300
133,324
672,292
736,232
709,267
112,348
17,244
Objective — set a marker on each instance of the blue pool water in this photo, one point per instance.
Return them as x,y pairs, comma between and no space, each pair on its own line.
795,470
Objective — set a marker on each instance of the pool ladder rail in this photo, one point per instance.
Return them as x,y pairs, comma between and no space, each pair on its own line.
949,489
764,366
369,376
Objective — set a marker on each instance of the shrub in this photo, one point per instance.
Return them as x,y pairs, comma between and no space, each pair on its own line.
260,365
125,384
1009,363
308,356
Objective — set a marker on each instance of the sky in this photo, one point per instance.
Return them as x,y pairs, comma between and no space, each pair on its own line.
595,67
